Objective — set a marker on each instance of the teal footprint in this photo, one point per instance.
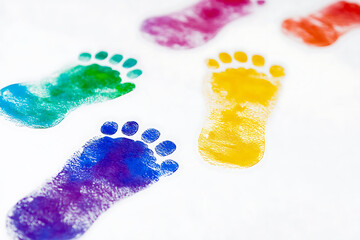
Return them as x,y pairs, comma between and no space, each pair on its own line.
46,103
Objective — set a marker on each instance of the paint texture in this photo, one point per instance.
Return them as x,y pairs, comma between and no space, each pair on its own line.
194,26
103,172
46,103
240,101
324,27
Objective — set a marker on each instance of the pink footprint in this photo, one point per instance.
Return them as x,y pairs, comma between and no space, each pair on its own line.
197,24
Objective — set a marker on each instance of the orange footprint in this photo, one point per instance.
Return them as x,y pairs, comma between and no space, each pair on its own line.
240,101
326,26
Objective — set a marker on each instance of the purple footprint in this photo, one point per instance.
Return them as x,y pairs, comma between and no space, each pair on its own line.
103,172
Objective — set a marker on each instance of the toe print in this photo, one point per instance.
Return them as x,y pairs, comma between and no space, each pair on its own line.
103,172
240,101
109,128
46,103
150,135
130,128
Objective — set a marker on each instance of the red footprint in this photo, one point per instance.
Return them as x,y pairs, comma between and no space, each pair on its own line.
326,26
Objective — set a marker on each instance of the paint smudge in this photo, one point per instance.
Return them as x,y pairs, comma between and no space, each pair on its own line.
240,101
196,25
324,27
46,103
103,172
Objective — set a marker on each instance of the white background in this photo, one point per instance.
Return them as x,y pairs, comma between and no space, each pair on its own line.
306,186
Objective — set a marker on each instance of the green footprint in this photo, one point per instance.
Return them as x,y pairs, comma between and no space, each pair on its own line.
46,103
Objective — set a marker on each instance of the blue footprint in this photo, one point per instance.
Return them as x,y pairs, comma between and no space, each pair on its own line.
106,170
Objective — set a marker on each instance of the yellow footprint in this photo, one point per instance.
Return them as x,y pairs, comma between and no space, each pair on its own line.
240,102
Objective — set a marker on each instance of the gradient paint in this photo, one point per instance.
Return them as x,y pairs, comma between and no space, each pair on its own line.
103,172
324,27
240,101
196,25
46,103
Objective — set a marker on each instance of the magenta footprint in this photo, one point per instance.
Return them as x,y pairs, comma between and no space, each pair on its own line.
196,25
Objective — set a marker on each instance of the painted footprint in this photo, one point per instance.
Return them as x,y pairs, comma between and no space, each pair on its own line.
240,101
46,103
196,25
326,26
103,172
